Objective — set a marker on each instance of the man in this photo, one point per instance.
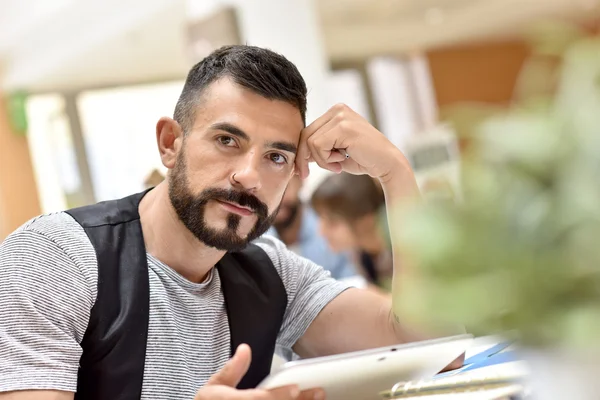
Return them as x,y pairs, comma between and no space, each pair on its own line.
149,296
297,226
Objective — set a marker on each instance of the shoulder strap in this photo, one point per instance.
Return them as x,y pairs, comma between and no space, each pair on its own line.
114,344
256,300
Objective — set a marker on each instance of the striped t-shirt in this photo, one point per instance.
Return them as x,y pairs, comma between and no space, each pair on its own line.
48,285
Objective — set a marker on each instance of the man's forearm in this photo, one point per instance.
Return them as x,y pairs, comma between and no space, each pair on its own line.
401,191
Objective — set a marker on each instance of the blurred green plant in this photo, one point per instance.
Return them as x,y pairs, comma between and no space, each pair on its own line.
522,250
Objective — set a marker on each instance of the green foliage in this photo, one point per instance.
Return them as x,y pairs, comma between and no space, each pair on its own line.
522,250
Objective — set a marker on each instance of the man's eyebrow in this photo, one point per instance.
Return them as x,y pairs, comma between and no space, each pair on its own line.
285,146
232,129
235,131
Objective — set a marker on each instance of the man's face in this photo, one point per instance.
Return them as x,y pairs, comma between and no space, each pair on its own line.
290,205
234,165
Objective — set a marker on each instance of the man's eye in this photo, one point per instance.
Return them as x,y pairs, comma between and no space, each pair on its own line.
278,158
226,141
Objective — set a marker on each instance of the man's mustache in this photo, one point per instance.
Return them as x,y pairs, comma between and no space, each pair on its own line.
244,199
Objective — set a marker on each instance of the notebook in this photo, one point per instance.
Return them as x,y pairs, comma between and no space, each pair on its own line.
491,373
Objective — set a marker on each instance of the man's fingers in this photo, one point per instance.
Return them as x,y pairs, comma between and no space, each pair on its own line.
336,156
285,393
319,122
302,158
235,369
302,163
323,145
220,392
312,394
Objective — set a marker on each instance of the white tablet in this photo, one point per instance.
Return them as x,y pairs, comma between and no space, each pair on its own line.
364,374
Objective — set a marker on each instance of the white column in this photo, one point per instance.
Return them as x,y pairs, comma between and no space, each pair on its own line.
347,86
418,66
393,98
290,27
404,96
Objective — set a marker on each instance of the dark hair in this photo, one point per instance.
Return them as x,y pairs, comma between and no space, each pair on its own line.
260,70
348,196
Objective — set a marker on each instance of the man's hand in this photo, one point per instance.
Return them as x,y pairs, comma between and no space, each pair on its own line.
221,386
340,128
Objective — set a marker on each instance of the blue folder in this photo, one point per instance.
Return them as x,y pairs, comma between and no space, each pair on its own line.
492,356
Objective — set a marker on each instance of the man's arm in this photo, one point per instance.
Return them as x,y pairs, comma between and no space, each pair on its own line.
45,303
359,319
356,319
362,319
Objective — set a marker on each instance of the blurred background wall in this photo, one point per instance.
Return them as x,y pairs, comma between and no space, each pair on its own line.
19,199
84,82
483,72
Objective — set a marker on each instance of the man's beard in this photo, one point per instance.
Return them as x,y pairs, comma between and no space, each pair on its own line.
293,211
191,208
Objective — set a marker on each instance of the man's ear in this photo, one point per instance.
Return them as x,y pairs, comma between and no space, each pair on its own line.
169,138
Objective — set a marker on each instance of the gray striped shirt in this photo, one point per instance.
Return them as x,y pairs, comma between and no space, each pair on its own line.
48,284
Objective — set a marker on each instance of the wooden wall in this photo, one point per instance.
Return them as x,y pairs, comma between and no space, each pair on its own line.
476,73
19,199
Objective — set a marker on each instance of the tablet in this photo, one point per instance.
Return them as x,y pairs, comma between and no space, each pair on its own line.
364,374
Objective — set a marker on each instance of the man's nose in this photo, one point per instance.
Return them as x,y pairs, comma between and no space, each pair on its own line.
247,175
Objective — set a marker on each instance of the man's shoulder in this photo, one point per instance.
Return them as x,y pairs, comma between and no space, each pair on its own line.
59,227
46,222
286,262
271,245
55,234
48,290
279,254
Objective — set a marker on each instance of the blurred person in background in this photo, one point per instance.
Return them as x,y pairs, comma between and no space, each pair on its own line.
351,209
297,225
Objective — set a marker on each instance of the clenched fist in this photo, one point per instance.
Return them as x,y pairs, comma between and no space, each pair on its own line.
342,140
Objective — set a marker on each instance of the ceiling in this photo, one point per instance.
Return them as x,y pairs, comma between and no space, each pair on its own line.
88,43
68,44
355,29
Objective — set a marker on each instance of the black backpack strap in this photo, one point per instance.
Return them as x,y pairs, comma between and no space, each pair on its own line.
256,300
114,344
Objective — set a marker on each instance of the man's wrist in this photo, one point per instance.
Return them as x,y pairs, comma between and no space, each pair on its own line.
399,192
398,165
